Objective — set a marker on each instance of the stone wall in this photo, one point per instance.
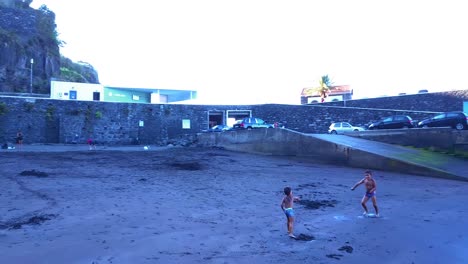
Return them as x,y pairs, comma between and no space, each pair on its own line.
55,121
364,111
435,102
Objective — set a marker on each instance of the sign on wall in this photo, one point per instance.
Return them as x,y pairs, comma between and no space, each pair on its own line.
185,123
72,95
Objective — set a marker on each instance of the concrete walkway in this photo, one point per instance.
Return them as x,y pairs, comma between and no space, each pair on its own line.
431,160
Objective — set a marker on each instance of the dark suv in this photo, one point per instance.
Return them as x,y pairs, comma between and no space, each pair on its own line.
457,120
392,122
252,122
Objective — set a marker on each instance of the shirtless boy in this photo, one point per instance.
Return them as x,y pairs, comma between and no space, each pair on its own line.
371,187
287,207
19,138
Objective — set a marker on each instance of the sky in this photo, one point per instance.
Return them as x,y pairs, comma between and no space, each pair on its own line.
267,51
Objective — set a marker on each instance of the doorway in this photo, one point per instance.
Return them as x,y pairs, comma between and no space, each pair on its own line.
215,118
235,115
96,96
72,95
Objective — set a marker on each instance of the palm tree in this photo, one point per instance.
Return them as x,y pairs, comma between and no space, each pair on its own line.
325,87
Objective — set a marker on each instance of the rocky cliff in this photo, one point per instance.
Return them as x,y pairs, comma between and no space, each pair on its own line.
29,35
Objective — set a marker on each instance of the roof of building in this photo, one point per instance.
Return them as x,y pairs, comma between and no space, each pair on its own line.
175,94
334,90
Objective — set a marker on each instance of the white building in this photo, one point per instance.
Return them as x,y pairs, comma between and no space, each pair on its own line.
97,92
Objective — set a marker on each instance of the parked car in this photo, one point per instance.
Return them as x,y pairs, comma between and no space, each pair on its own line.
219,128
342,127
252,122
392,122
457,120
236,125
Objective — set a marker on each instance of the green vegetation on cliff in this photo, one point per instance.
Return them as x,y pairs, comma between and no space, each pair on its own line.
77,71
30,55
47,27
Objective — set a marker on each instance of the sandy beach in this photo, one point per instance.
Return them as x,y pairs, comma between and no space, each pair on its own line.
200,205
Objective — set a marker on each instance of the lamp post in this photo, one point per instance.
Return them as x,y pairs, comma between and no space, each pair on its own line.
31,79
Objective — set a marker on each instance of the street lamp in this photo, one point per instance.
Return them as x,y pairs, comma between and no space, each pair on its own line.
31,81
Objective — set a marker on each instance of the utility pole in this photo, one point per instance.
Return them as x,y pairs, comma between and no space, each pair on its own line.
31,80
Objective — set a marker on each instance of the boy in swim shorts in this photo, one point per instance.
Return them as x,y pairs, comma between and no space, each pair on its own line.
287,207
371,187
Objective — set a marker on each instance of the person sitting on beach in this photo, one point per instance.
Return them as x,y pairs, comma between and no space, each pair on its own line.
287,207
371,187
91,144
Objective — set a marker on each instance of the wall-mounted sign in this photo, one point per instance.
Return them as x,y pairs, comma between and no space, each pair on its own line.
185,123
73,95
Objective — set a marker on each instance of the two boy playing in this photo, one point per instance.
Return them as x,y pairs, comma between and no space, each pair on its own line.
289,199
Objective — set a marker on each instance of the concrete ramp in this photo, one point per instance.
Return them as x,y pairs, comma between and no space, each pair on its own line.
339,150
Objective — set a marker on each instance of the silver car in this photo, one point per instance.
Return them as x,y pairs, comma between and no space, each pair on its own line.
343,127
